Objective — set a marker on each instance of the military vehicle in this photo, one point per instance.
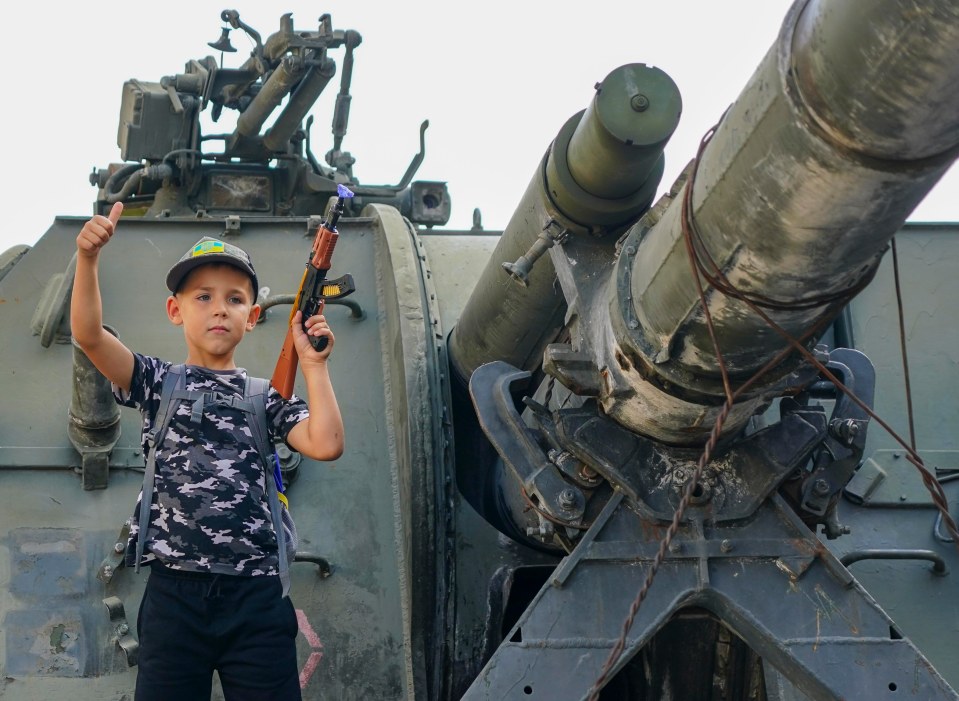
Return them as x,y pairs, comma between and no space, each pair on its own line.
640,452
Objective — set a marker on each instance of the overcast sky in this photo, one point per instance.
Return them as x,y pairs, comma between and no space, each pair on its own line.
496,80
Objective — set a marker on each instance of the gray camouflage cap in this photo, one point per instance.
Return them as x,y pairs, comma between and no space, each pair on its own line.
209,250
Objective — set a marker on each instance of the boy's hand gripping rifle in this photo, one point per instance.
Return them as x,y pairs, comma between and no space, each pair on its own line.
314,290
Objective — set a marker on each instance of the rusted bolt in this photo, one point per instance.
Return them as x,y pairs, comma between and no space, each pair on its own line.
680,475
726,546
821,487
587,473
567,498
639,103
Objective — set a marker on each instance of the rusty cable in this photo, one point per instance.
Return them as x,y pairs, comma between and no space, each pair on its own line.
720,283
928,479
549,391
932,485
936,527
693,482
691,256
660,554
902,345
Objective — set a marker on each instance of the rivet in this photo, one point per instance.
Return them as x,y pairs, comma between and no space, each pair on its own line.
640,103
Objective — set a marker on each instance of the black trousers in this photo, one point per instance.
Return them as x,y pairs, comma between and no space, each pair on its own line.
191,624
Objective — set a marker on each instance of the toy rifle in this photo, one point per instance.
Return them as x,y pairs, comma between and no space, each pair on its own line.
314,290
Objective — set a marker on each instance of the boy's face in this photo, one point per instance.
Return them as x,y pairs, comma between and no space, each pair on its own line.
215,308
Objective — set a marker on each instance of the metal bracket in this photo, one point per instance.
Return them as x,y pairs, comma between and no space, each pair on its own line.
231,225
553,233
653,475
108,567
573,369
121,629
844,446
489,388
95,469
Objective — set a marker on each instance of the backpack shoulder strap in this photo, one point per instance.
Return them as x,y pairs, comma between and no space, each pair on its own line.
174,380
257,390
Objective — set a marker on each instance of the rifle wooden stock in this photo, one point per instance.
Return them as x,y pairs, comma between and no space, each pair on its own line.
284,374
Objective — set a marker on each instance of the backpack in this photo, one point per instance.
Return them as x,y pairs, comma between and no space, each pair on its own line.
254,404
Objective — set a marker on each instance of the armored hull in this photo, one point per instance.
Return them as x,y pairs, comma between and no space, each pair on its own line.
526,409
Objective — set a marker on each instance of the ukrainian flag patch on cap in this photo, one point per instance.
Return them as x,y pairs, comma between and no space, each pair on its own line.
205,247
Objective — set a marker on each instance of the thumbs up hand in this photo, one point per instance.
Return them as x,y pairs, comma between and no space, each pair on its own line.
96,232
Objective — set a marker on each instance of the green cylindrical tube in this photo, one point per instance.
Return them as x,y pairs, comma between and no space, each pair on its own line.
622,134
600,173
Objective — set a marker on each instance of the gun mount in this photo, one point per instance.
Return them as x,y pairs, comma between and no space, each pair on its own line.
645,349
271,172
619,461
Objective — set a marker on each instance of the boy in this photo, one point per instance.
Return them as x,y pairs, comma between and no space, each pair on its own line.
213,600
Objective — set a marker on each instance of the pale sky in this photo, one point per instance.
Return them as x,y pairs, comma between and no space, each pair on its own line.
496,80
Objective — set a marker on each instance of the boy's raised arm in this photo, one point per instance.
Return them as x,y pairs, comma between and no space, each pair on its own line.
319,437
105,350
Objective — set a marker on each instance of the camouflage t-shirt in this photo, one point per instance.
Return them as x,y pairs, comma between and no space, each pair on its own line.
210,511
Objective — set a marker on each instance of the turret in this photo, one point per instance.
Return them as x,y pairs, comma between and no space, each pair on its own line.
170,168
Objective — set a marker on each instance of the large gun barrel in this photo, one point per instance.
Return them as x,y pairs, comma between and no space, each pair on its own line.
845,126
